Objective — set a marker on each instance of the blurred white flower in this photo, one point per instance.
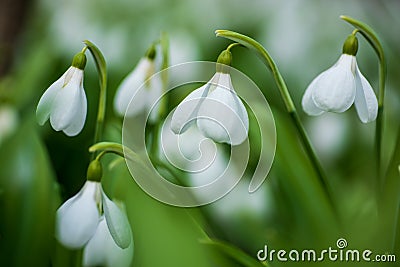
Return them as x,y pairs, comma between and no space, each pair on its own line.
8,121
337,88
101,249
65,103
78,217
328,133
217,110
131,86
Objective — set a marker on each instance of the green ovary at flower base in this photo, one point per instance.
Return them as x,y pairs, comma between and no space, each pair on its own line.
64,102
215,107
337,88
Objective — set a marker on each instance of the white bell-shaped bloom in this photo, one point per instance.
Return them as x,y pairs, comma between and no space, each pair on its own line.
64,102
101,250
217,110
337,88
78,217
138,85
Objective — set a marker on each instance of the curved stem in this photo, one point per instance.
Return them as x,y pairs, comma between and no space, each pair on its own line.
256,47
372,38
233,45
102,70
109,147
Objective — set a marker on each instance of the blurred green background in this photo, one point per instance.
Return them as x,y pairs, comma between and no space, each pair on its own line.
40,168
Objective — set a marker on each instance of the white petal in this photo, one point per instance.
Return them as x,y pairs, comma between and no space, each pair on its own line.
66,109
185,113
117,223
335,88
94,251
365,101
102,251
130,86
79,121
77,218
222,115
307,102
45,104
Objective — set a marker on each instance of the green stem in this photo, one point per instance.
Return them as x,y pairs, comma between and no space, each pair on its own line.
110,147
164,42
78,258
256,47
102,70
372,38
155,134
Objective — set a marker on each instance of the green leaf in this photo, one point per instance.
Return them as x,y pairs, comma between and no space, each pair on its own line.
391,196
234,253
28,202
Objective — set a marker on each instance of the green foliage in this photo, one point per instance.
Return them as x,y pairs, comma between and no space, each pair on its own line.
28,201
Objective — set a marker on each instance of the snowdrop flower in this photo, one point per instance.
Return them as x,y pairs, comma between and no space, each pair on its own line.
78,218
337,88
64,102
215,108
146,96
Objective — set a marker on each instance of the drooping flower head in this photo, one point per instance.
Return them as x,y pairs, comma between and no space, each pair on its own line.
131,87
64,102
337,88
80,222
215,107
78,217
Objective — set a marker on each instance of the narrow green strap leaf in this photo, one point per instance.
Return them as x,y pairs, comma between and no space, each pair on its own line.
372,38
234,253
102,70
